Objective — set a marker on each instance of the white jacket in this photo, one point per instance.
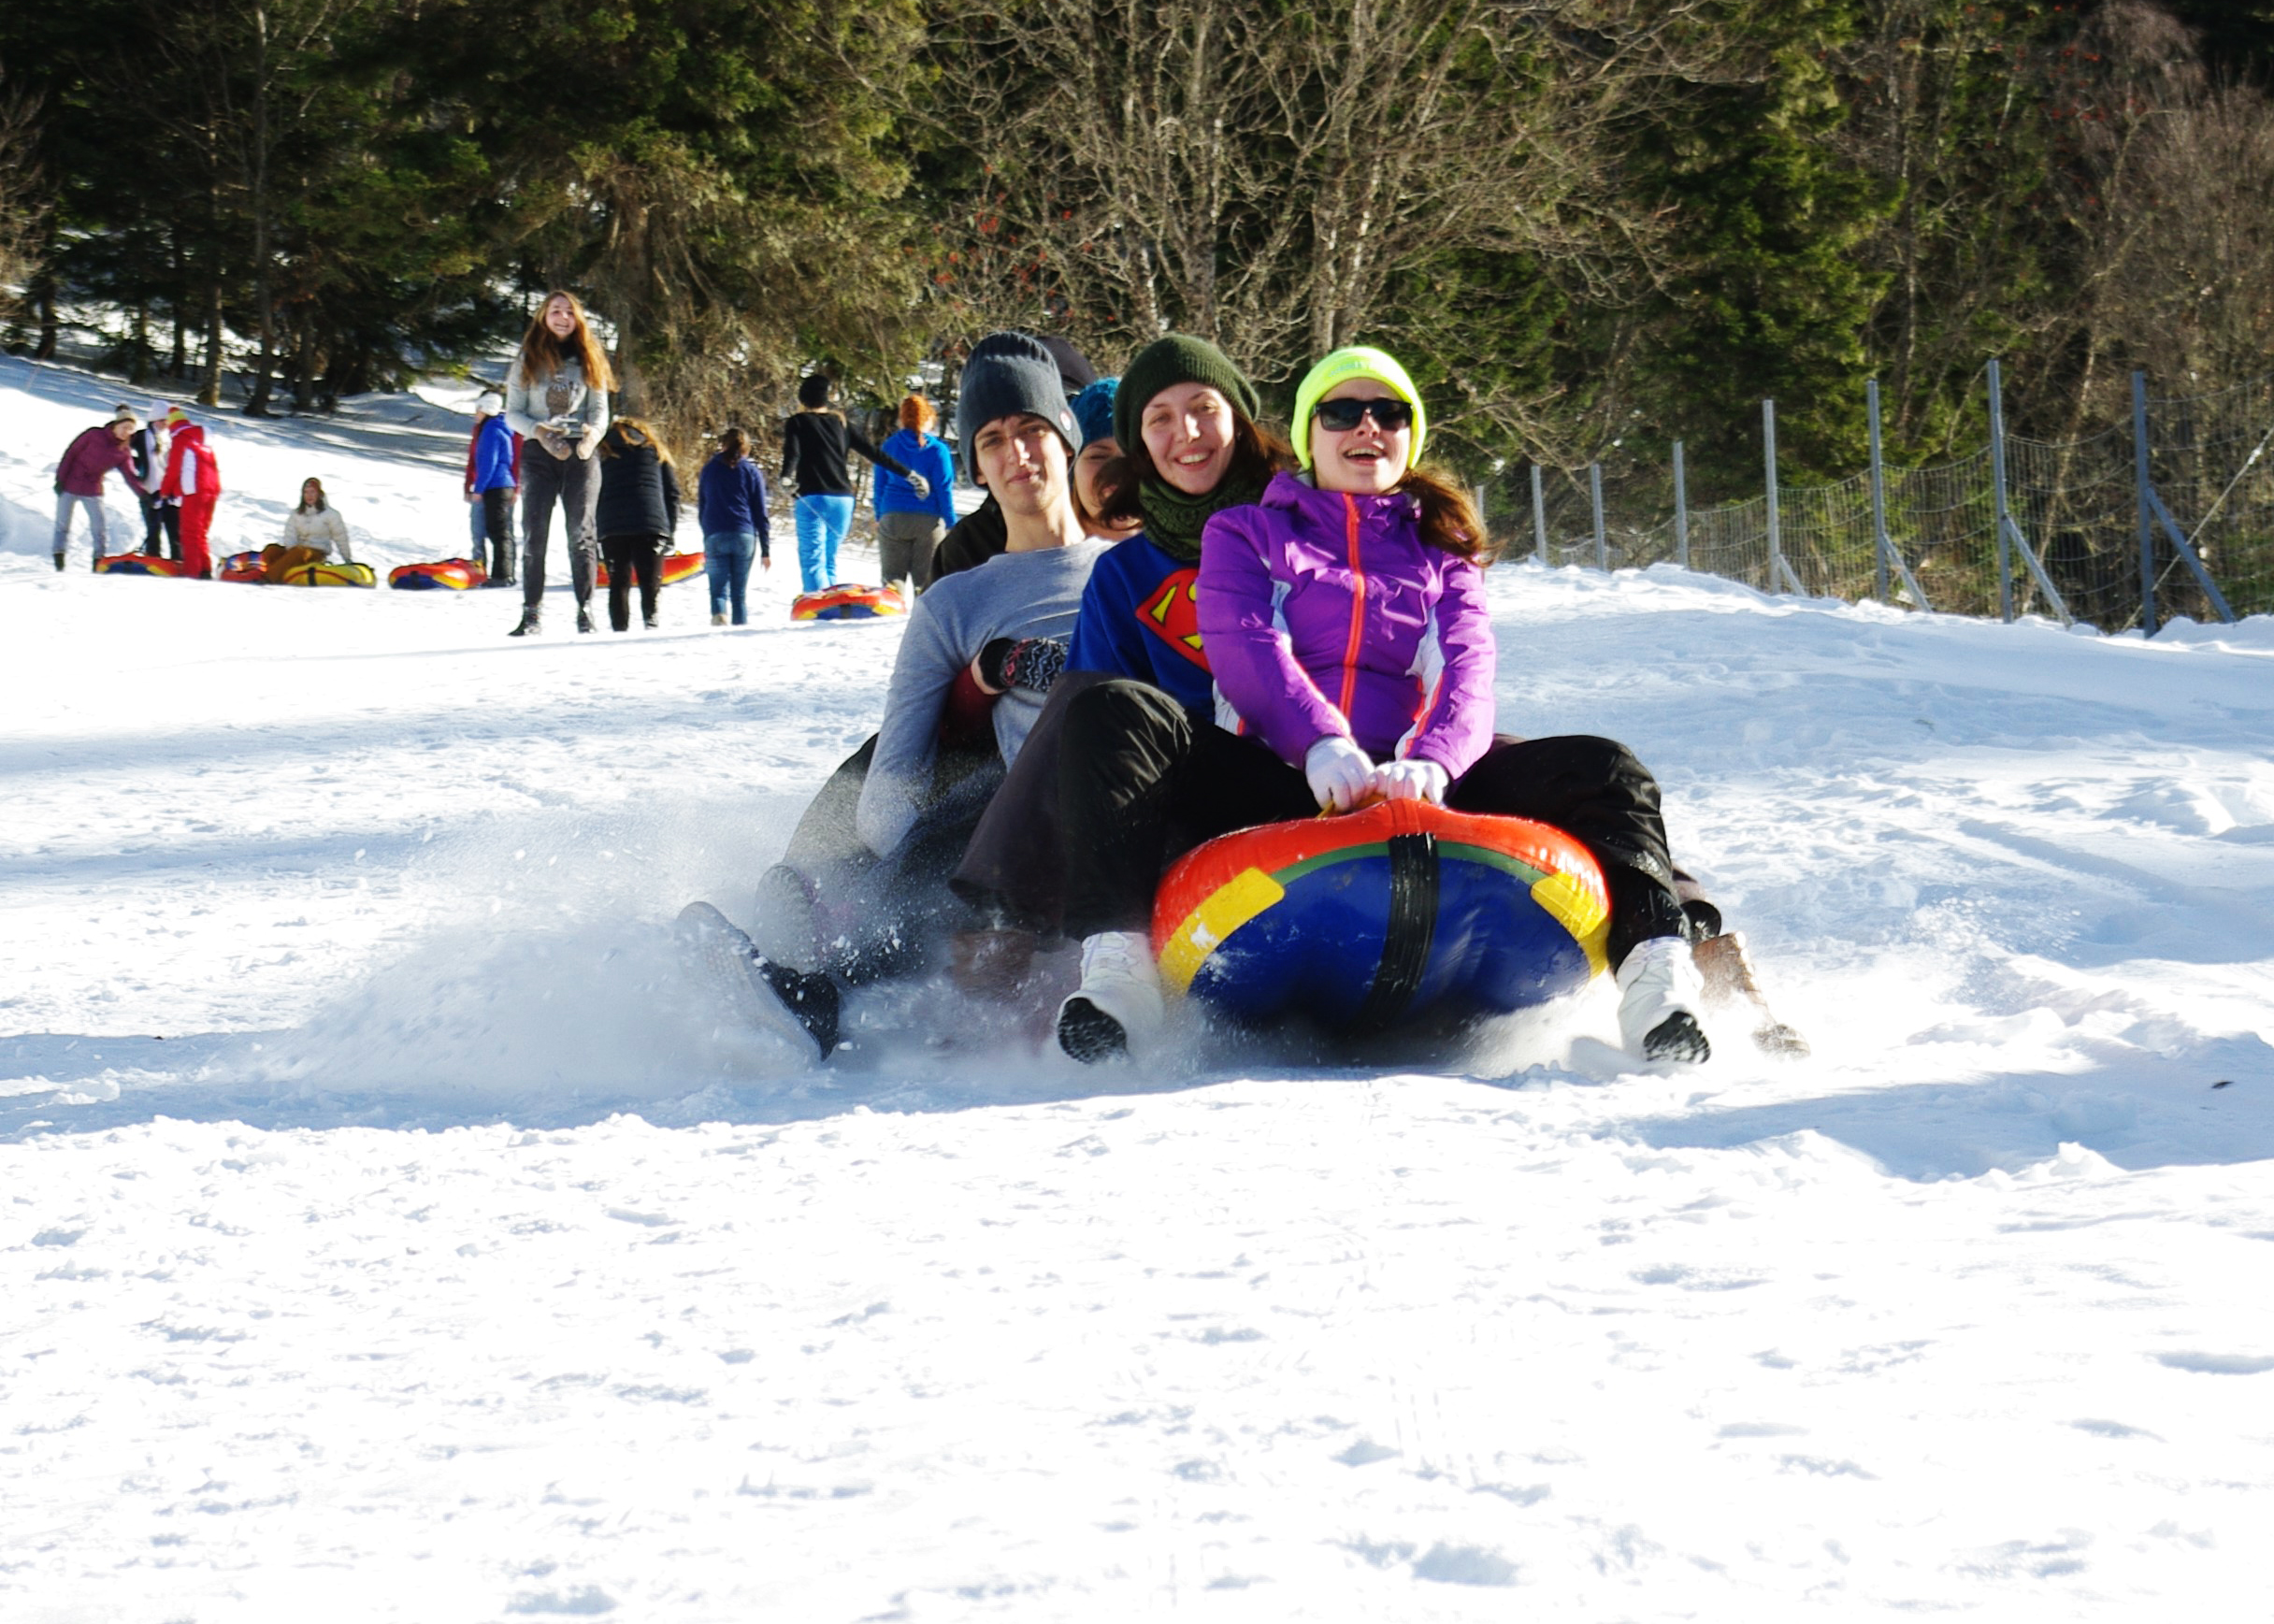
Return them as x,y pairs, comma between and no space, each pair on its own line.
323,530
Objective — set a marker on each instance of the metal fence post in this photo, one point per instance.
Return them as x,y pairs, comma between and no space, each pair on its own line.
1539,517
1997,486
1594,498
2140,485
1879,491
1681,510
1768,454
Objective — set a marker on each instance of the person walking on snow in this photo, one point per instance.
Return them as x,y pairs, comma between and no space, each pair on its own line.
193,485
814,439
731,506
78,479
312,530
909,526
493,474
556,394
637,516
1345,620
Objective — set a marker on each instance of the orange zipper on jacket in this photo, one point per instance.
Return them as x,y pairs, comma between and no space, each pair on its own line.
1357,608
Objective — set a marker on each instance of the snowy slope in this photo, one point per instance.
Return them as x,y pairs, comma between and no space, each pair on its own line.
382,1235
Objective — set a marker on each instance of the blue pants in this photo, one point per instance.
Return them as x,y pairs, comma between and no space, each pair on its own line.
727,556
822,524
477,527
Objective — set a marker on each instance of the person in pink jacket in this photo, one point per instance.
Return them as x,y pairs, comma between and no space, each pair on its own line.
78,479
1345,625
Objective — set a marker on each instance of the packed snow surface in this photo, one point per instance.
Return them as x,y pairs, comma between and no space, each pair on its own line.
387,1232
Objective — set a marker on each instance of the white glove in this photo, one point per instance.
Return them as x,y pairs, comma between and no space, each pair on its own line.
921,486
586,441
1339,772
1411,779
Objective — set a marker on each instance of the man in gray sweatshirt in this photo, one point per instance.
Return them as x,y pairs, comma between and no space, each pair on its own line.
854,904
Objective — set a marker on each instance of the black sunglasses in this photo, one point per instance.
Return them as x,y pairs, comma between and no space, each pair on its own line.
1343,415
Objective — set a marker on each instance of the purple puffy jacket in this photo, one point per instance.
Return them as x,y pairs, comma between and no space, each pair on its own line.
89,456
1324,612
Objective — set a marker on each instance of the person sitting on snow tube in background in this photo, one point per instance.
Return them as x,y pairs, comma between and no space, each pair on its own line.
883,877
1185,422
637,515
312,530
1353,656
731,508
909,525
493,480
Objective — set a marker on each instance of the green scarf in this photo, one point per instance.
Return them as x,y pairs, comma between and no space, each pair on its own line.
1173,519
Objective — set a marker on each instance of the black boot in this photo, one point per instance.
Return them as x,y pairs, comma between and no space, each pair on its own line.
59,563
583,617
532,623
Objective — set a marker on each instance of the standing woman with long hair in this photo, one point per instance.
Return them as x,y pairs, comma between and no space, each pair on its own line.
556,394
637,515
814,439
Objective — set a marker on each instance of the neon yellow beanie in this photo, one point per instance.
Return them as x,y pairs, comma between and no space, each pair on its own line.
1358,361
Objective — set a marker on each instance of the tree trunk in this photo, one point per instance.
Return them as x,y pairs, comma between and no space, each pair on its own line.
263,288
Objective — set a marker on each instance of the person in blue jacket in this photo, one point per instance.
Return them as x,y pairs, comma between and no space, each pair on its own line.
909,526
493,482
730,505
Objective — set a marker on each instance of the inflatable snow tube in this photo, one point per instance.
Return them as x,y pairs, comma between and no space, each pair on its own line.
141,564
326,573
241,566
848,603
1365,921
677,566
442,575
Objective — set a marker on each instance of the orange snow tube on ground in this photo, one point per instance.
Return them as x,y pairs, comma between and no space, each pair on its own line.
848,603
442,575
1362,922
677,566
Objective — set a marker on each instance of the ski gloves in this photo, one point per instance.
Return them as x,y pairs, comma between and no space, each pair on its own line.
1343,777
1030,662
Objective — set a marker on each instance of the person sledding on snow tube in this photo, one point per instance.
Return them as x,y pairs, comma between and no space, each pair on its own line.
312,530
878,842
1353,658
1185,424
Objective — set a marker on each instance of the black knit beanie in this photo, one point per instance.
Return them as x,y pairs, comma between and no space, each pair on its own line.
814,390
1010,375
1179,358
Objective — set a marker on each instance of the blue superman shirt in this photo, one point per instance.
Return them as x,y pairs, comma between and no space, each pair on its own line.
1139,618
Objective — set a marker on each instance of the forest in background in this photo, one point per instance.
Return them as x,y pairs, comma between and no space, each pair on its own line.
1593,227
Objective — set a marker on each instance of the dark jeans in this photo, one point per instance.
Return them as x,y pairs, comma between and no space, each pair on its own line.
628,555
575,485
1014,868
161,517
1142,780
498,525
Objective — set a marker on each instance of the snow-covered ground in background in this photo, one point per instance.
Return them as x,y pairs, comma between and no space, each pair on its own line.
383,1234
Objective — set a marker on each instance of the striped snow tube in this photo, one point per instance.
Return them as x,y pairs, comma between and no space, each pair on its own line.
848,603
677,566
139,563
241,566
1364,921
441,575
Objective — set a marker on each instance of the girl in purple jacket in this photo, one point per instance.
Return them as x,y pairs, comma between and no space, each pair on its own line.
1345,621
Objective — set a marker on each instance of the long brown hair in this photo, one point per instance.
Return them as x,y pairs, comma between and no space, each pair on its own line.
1256,452
634,431
734,445
541,353
1449,521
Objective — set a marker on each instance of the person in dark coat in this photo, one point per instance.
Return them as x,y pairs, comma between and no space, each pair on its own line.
636,516
814,440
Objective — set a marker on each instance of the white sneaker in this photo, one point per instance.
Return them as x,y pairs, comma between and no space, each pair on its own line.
1658,993
718,620
1119,1006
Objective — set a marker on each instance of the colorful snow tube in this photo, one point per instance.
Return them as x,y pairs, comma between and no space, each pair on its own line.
140,564
326,573
1365,921
242,567
848,603
677,566
442,575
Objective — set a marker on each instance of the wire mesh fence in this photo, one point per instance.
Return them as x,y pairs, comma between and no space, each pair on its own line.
2108,532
